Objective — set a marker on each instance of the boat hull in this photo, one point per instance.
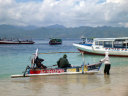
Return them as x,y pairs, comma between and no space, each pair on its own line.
55,43
40,71
16,42
98,50
51,74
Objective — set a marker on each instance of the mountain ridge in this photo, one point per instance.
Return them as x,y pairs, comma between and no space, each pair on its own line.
60,31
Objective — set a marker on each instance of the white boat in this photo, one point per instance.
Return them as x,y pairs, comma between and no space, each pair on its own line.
115,46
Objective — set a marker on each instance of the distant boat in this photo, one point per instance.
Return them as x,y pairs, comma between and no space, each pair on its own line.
115,46
5,41
55,41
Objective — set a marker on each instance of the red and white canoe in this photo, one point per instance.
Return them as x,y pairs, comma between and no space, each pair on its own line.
34,71
87,69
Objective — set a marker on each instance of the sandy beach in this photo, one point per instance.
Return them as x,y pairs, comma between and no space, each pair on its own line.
68,85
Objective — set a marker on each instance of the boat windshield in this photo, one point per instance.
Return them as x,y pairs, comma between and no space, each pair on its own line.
117,43
108,44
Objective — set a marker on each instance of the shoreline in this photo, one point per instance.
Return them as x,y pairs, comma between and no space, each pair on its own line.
89,85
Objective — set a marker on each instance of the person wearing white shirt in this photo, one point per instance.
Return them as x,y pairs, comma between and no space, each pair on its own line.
107,63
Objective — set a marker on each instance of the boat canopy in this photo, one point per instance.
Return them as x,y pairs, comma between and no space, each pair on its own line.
112,39
121,42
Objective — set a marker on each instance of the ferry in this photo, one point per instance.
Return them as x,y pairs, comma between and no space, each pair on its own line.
115,46
49,70
4,41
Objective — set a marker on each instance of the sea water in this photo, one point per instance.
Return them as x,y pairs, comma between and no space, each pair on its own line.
15,58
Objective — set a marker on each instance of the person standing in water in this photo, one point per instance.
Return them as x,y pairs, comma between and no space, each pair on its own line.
107,63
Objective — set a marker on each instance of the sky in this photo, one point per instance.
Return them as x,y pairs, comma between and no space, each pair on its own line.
69,13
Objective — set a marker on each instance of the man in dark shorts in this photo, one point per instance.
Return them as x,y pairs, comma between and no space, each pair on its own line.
107,63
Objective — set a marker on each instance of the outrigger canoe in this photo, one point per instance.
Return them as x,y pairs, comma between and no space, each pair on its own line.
92,68
30,71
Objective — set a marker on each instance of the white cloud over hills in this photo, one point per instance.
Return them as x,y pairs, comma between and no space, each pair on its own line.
70,13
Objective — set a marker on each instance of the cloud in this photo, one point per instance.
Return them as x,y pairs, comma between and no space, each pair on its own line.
70,13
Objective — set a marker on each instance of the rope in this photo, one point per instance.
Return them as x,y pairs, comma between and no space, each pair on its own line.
58,52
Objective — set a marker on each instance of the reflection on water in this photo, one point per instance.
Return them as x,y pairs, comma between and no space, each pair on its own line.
107,79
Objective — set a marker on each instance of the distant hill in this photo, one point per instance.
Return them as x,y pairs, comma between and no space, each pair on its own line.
55,26
59,31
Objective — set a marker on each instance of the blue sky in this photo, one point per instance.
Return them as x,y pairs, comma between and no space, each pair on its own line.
70,13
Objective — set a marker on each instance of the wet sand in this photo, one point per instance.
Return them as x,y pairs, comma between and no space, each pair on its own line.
68,85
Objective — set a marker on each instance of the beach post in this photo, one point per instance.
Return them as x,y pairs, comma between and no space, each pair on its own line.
83,63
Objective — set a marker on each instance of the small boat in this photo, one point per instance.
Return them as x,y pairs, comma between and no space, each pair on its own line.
115,46
5,41
55,41
34,71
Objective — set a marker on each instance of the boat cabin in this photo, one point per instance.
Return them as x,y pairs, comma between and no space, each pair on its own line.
86,41
111,42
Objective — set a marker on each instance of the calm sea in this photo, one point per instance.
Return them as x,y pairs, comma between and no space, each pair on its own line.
14,59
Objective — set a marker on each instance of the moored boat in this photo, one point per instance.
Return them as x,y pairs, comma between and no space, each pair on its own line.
5,41
55,41
115,46
34,71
